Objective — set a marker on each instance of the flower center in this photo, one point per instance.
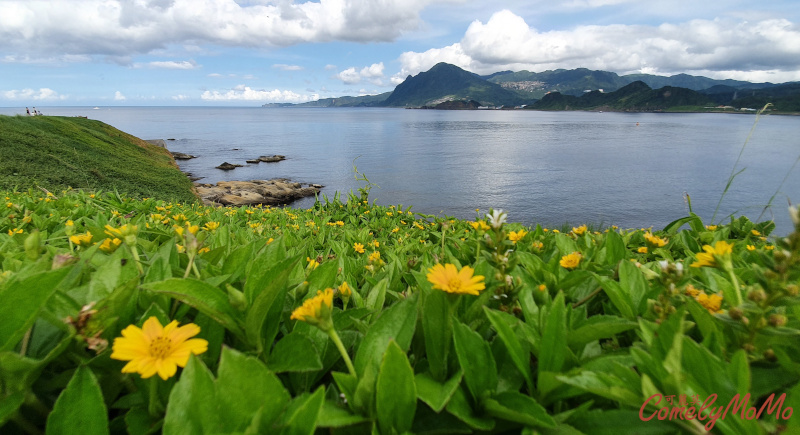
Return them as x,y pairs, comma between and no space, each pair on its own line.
160,347
454,284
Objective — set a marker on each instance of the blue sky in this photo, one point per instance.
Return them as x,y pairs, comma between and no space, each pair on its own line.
250,52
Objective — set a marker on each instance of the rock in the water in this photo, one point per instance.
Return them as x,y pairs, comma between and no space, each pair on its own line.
181,156
272,159
268,192
252,161
228,166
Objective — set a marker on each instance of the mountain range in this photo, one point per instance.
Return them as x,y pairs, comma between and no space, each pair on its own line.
448,86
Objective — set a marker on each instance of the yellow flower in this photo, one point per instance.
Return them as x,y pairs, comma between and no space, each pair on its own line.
340,223
516,236
375,257
579,230
542,287
769,247
711,227
452,280
82,239
15,231
642,250
570,261
480,225
656,241
755,232
358,247
556,231
708,258
9,204
181,248
711,303
312,263
396,229
344,290
538,245
110,245
126,232
691,291
751,248
316,310
211,226
376,243
156,349
270,240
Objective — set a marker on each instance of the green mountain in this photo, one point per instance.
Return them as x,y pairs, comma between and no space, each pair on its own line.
637,96
445,82
784,97
361,101
577,81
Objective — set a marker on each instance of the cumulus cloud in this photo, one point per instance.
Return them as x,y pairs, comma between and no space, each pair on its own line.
130,27
118,96
32,94
715,47
284,67
245,93
372,73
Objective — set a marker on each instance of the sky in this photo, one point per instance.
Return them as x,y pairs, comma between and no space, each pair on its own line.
251,52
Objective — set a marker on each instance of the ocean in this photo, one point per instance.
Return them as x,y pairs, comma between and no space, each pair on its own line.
633,170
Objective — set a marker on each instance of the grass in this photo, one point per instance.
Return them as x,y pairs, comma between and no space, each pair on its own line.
58,153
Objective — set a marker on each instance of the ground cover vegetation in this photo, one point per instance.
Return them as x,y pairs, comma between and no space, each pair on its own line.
145,316
56,153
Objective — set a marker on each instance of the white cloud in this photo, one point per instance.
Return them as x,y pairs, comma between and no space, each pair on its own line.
118,96
372,73
130,27
330,67
169,64
506,41
180,97
284,67
245,93
31,94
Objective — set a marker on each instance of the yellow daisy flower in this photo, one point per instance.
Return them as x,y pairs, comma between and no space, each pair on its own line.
708,258
656,241
156,349
516,236
316,310
448,278
570,261
358,247
579,230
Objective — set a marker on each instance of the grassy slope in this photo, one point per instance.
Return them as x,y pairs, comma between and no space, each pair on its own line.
58,152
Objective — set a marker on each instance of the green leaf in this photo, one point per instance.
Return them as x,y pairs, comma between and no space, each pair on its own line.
437,326
264,315
395,323
615,248
323,276
476,360
9,406
192,402
301,416
294,353
632,280
620,298
520,355
598,327
208,299
519,408
459,408
553,351
22,301
80,407
611,422
333,415
604,385
245,387
396,394
377,296
434,393
236,261
263,274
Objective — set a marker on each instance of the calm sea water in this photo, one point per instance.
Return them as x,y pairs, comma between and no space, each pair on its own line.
552,168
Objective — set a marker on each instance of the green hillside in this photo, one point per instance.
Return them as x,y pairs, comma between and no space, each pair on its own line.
449,82
636,96
57,153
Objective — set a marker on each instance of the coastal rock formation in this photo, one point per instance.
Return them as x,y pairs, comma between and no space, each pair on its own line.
272,159
181,156
267,192
228,166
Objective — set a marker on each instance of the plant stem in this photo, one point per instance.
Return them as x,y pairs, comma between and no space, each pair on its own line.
135,253
25,340
25,425
586,299
338,342
153,405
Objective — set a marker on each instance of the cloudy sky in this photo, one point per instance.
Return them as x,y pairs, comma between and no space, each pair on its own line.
248,52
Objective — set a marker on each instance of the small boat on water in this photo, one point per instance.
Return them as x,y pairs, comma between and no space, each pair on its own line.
95,108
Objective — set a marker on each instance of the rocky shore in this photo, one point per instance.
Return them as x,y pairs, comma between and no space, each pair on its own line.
267,192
